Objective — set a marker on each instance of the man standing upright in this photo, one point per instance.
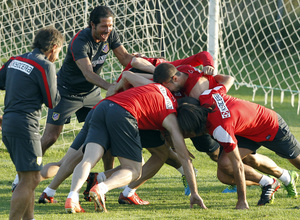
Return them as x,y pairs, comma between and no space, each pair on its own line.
29,81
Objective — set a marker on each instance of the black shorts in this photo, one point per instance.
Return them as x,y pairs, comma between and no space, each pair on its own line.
284,144
114,128
80,138
205,143
151,138
26,154
70,104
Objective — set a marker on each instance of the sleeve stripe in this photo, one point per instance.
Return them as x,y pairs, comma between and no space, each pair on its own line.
42,70
72,45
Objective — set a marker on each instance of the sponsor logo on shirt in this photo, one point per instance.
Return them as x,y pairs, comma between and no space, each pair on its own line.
169,104
225,113
55,116
100,60
21,66
105,48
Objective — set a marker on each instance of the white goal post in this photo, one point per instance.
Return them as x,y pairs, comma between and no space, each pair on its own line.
257,41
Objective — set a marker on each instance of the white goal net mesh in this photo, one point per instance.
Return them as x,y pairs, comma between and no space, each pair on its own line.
258,41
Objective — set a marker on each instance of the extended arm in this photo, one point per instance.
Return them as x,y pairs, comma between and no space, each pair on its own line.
226,80
123,56
86,68
142,64
171,124
239,176
128,79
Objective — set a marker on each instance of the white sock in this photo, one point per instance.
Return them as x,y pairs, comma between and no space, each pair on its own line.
16,180
101,177
74,196
285,177
265,180
128,191
50,192
103,188
180,169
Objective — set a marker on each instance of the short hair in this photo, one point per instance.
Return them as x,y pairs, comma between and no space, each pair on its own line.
192,116
98,13
46,38
163,72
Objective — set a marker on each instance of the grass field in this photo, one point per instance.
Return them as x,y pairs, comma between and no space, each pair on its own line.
165,191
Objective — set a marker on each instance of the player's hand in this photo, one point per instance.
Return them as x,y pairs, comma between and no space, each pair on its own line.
208,70
242,205
196,199
111,90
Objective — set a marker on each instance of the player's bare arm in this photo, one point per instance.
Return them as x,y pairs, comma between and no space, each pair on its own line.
123,56
239,176
142,64
86,68
128,79
171,124
226,80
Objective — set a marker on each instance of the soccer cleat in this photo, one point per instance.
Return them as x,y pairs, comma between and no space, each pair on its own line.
291,187
44,198
187,190
91,181
230,189
134,199
267,195
73,207
98,198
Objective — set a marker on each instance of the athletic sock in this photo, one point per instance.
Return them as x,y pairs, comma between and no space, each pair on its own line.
101,177
74,196
50,192
102,188
266,180
180,169
285,177
128,192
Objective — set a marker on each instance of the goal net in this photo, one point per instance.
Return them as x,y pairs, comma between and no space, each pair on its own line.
258,41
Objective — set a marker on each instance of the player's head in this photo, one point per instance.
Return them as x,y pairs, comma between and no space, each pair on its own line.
192,116
167,75
101,23
47,40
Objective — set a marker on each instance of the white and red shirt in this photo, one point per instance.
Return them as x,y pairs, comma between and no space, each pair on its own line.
149,104
233,116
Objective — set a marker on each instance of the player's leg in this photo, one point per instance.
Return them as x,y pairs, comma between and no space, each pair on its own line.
51,169
57,117
22,205
93,153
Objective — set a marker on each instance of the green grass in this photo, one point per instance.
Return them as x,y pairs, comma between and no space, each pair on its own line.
165,190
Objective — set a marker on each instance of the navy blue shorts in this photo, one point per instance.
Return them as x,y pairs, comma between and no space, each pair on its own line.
114,128
26,154
284,144
70,104
205,143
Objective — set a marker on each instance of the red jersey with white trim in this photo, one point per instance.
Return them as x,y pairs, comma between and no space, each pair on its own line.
194,76
149,104
233,116
203,58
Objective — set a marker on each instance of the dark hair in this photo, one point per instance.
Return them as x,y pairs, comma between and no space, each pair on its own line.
46,38
192,116
163,72
98,13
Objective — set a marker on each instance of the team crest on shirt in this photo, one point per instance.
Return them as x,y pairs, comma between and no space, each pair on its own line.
105,48
39,160
55,116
